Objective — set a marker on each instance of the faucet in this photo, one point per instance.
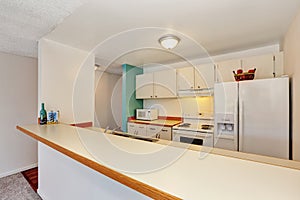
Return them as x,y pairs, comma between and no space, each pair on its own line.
106,129
115,129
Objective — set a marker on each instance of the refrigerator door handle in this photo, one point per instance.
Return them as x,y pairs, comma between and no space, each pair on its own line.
241,125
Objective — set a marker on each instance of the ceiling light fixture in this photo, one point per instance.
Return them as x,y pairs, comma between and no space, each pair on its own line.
169,41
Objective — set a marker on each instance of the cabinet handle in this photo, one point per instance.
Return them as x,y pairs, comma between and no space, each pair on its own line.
198,87
155,96
192,87
153,129
164,130
151,96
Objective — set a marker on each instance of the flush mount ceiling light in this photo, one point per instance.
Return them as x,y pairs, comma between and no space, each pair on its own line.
169,41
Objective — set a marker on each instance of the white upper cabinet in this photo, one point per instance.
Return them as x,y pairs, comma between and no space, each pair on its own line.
185,78
144,86
225,70
164,83
264,65
204,76
199,77
160,84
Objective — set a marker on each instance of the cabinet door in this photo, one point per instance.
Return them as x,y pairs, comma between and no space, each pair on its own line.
152,130
279,64
165,83
225,70
264,65
185,78
131,128
141,129
159,132
144,86
204,76
165,133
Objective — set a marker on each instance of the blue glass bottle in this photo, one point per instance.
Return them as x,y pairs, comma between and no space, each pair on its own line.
43,115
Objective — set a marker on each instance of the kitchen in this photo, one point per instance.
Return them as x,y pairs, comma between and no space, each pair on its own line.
66,61
169,90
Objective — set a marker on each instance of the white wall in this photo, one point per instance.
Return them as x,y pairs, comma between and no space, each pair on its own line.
76,181
66,81
18,105
181,106
108,100
291,49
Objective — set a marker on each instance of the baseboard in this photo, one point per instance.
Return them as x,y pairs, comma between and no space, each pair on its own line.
18,170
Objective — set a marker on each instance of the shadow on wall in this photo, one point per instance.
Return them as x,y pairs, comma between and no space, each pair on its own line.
108,100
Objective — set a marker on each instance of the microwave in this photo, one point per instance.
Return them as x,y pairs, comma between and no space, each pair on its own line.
147,114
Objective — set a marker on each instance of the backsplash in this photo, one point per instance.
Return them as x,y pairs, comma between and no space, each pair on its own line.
188,106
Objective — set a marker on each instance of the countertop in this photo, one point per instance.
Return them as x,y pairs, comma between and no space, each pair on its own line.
164,171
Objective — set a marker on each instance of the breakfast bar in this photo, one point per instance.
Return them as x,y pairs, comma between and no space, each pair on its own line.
82,163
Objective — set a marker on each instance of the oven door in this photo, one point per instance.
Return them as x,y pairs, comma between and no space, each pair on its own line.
193,137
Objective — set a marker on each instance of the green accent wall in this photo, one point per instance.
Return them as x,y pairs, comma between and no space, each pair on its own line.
129,103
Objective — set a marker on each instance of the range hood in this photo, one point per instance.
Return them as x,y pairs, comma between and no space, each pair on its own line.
196,92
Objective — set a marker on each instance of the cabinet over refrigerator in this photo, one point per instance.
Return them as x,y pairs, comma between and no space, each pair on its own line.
253,116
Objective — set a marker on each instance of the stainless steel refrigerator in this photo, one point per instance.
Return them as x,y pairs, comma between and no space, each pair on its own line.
253,116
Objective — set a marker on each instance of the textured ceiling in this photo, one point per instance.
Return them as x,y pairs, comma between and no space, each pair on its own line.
217,26
24,22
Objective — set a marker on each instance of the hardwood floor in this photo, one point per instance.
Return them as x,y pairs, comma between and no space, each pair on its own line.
31,176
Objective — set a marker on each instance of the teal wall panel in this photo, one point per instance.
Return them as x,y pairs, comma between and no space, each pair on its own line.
129,102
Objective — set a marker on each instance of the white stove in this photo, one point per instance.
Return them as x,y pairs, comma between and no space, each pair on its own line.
195,130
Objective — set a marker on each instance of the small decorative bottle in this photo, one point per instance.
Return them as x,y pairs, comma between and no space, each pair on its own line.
43,115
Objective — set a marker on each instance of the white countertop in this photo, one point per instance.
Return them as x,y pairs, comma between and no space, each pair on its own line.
180,172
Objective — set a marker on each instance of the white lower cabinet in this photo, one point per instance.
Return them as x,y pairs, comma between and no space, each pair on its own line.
137,129
159,132
153,131
131,128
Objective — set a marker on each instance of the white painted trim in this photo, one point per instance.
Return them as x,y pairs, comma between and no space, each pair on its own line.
18,170
272,49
